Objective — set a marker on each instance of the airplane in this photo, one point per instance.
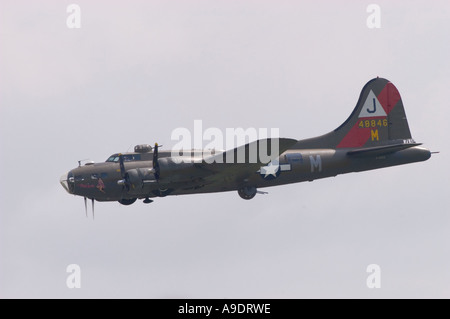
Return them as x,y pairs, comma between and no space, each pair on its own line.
375,135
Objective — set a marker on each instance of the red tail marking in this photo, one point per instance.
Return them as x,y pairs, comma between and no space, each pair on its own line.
389,97
356,137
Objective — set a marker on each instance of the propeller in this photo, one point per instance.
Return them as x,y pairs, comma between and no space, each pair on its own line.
125,176
85,207
93,217
155,162
122,166
123,173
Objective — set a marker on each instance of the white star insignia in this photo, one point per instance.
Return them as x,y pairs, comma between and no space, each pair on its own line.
270,169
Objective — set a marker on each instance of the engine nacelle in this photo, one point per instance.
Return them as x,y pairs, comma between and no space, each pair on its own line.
141,181
137,179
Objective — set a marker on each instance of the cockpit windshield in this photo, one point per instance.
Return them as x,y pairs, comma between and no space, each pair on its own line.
113,158
126,158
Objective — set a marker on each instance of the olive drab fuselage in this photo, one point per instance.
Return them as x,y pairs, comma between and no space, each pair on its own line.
376,135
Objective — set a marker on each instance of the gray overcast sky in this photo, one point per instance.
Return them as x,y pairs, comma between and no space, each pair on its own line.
136,70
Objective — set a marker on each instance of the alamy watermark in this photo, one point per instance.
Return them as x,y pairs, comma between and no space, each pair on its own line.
73,21
210,143
374,19
374,279
74,279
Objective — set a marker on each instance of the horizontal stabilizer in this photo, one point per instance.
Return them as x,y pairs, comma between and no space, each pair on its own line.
380,150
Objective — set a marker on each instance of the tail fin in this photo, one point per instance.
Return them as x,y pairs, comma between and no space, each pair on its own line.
378,119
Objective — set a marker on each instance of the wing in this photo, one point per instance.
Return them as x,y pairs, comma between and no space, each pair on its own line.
235,165
227,169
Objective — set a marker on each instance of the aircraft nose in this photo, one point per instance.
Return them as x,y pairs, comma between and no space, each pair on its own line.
63,181
66,181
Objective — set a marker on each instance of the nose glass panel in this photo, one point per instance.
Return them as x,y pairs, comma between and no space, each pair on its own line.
67,182
64,183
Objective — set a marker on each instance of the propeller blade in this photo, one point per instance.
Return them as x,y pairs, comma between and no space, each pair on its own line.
155,155
122,166
93,209
123,174
155,161
85,206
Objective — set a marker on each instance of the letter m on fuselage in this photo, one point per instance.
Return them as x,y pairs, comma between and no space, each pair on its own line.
316,163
